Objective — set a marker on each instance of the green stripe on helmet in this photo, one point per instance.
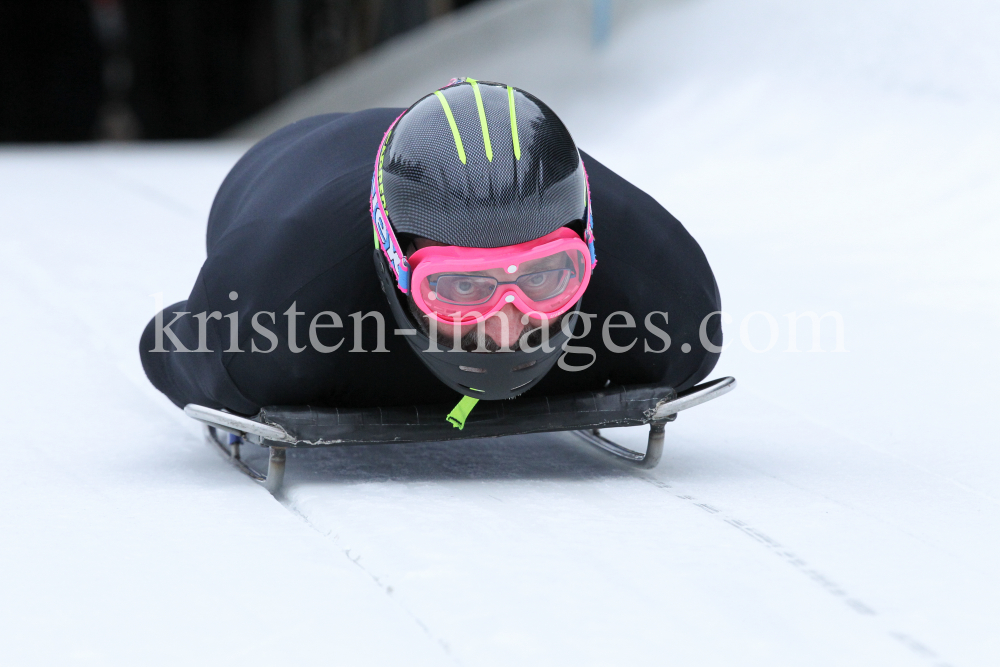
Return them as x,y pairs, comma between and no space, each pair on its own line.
482,119
513,123
454,127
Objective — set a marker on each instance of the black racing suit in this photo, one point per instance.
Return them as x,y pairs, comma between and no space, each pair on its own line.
291,225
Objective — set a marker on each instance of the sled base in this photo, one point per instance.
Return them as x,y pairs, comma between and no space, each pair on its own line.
585,414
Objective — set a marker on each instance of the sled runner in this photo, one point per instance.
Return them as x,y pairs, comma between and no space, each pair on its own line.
279,428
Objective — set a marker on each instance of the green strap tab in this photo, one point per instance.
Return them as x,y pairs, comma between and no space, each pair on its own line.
460,412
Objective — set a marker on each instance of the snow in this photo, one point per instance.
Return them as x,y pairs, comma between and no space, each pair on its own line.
838,508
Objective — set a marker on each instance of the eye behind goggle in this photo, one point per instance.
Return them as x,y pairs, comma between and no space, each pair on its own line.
464,290
544,285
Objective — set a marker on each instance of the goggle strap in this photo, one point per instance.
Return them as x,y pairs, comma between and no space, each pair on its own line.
384,235
588,232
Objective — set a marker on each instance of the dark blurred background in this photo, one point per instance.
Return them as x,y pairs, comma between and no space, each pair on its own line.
79,70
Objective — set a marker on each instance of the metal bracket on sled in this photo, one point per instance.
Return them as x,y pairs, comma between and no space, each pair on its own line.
240,429
665,412
654,447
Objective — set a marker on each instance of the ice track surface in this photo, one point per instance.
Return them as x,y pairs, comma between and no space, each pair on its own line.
839,508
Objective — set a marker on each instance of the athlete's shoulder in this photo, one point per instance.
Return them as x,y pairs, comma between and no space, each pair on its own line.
625,215
311,168
365,125
613,191
349,135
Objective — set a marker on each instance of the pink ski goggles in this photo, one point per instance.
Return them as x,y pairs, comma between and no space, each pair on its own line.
543,278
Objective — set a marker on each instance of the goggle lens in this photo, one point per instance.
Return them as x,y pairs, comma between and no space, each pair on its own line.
545,285
548,282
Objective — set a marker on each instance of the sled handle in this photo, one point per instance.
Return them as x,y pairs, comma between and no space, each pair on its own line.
703,393
236,424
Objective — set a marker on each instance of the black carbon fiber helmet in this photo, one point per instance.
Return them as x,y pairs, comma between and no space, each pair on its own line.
480,165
